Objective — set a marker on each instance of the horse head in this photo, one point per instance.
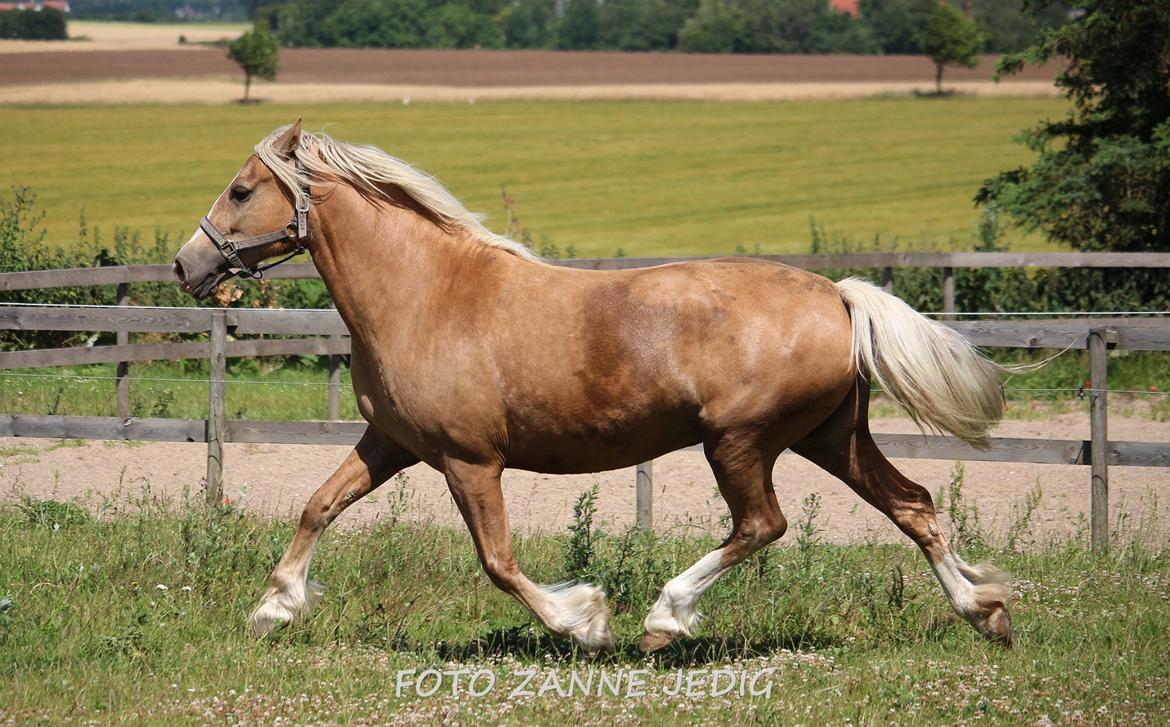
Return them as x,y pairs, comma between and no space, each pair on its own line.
262,214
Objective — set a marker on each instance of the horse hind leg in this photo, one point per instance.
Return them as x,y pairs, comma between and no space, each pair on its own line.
844,447
744,475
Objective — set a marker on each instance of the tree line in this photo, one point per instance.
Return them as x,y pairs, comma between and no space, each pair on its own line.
711,26
47,24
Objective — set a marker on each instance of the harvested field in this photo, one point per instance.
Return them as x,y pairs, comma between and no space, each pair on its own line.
91,35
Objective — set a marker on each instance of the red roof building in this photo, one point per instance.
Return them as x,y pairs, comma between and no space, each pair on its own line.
62,5
852,7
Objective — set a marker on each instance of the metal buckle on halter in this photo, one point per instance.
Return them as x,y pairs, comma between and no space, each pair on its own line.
302,216
296,230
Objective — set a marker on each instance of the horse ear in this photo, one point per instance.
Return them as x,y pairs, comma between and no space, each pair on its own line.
290,140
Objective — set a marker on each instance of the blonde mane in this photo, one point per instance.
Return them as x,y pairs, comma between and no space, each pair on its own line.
369,169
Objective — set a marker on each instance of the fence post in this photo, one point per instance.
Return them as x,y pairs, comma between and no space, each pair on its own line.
888,280
1099,339
644,485
333,408
948,290
123,370
215,406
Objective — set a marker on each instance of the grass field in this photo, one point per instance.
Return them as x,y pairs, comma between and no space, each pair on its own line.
138,617
646,177
296,389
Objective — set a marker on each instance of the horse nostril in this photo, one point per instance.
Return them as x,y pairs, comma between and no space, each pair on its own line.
178,270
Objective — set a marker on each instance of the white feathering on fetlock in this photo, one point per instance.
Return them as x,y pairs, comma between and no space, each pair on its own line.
580,613
991,584
282,606
674,613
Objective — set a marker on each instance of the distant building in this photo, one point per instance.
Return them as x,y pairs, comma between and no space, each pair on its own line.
851,7
62,5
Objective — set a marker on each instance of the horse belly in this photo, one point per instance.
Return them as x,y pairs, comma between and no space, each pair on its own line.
583,449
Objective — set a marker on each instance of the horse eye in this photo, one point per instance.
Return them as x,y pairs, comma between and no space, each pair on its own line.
240,194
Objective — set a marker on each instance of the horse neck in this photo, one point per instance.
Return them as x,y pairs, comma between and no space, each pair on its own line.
382,263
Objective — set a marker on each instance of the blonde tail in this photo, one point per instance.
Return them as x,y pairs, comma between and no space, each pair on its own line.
941,380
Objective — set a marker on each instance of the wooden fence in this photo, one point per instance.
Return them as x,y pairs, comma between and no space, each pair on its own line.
1097,335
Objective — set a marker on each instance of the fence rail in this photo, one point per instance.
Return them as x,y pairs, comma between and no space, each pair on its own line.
899,446
127,274
1097,335
1132,334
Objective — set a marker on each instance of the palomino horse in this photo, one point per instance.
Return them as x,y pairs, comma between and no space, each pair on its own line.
472,355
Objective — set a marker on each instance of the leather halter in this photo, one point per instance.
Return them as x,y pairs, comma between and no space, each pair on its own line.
296,230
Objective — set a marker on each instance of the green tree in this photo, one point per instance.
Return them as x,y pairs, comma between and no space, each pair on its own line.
716,27
773,26
837,32
301,23
1101,180
790,26
580,29
950,39
454,25
529,24
377,24
1008,29
643,24
257,52
897,24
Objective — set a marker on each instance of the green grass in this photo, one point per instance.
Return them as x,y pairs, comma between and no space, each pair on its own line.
647,177
256,389
137,615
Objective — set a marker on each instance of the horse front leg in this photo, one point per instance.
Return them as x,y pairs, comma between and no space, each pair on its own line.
291,595
575,611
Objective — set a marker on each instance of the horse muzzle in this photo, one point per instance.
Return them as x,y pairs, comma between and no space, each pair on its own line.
199,267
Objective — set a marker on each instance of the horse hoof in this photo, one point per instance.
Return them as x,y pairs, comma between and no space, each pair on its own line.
269,617
997,628
654,640
600,643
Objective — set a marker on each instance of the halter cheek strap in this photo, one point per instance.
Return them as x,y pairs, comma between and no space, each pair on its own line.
296,230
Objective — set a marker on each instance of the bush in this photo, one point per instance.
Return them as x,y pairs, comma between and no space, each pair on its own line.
22,247
1004,289
45,24
52,514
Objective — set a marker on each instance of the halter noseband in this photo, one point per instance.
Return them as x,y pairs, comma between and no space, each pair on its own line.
231,249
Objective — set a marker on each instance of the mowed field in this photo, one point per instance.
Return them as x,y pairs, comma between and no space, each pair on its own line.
643,176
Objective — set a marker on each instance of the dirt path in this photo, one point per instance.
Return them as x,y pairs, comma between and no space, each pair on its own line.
278,479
